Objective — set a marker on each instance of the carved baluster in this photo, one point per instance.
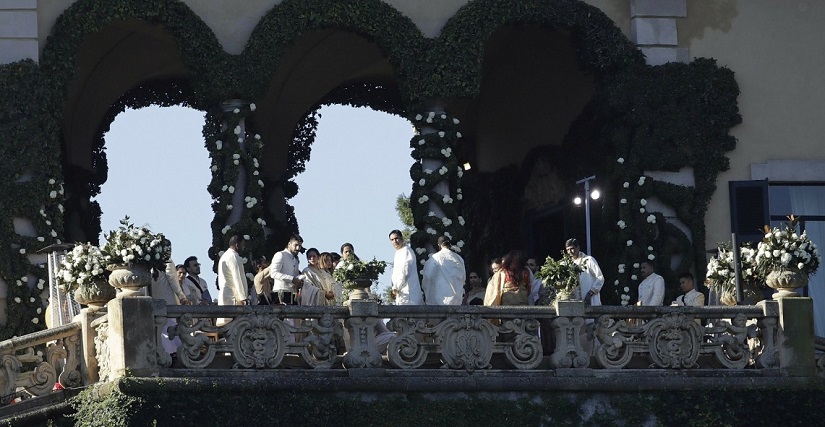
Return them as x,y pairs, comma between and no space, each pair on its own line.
361,324
567,329
319,350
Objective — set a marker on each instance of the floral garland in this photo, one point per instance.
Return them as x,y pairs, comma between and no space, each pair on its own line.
441,145
225,132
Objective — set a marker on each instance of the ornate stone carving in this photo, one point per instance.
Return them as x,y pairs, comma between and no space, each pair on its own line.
258,341
569,351
674,340
319,350
728,342
524,351
404,350
102,351
466,342
363,351
763,346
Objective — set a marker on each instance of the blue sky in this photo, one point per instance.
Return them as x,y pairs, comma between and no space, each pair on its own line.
159,170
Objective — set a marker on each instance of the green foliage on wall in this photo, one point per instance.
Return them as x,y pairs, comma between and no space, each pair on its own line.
218,405
638,112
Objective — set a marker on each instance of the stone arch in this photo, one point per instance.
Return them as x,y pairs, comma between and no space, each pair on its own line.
319,53
599,44
104,56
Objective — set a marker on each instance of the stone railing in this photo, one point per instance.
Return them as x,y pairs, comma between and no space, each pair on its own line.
31,365
773,337
770,339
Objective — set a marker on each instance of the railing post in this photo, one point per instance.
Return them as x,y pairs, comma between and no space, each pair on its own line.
567,330
88,364
363,352
132,339
796,337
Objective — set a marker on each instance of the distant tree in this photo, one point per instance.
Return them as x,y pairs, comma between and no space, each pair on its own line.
402,207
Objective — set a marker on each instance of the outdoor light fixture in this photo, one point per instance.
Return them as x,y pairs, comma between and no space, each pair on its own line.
588,195
467,166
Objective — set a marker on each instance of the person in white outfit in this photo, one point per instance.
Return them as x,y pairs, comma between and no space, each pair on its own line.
444,276
591,278
692,297
405,285
652,288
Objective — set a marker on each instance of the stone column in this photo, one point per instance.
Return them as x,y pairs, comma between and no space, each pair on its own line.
796,337
238,203
88,364
568,329
132,339
363,352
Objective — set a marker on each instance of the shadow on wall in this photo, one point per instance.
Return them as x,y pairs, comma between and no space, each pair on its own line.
702,15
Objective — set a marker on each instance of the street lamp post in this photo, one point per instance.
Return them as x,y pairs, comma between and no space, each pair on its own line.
587,196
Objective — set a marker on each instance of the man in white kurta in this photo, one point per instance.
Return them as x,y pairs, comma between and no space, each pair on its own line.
652,288
692,297
591,278
231,276
444,276
405,285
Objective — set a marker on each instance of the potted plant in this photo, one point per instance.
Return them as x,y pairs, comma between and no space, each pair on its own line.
131,252
559,279
721,275
786,259
82,273
357,276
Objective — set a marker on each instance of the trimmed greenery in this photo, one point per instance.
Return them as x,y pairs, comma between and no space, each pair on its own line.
638,113
219,405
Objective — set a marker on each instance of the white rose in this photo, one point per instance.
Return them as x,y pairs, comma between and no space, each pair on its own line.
252,107
458,134
626,289
237,130
421,142
52,181
641,180
443,117
441,134
651,257
418,117
229,207
630,243
17,300
236,111
422,181
53,194
35,320
428,171
620,160
623,201
460,244
641,210
643,202
455,121
633,277
219,144
626,185
231,189
214,168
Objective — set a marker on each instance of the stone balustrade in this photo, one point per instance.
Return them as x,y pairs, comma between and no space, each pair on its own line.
770,339
31,365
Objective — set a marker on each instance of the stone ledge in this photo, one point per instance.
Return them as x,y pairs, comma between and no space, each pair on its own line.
670,8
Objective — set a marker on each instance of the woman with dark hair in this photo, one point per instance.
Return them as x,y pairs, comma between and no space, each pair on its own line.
511,284
318,288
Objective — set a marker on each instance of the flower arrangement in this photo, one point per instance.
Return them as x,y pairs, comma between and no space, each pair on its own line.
82,266
721,273
352,270
131,245
783,249
561,275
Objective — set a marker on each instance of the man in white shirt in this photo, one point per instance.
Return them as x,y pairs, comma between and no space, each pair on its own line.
285,273
196,288
444,276
692,297
591,278
231,275
652,288
405,285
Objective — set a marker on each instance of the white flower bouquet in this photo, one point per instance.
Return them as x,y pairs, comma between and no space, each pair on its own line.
82,266
783,249
353,270
131,245
720,276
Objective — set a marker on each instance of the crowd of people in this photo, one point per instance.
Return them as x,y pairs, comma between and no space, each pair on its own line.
512,279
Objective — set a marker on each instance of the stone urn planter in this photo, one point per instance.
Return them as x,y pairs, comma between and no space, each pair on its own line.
130,279
358,289
786,282
95,295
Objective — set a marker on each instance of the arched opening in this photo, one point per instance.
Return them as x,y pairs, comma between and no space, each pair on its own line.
349,188
158,174
532,90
